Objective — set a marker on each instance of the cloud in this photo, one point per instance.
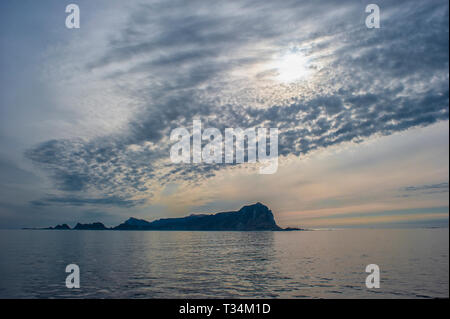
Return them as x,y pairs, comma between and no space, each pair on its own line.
211,62
78,201
440,188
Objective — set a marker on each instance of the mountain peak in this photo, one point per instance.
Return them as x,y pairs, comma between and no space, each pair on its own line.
258,205
136,222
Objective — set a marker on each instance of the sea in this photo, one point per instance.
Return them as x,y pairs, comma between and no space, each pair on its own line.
412,263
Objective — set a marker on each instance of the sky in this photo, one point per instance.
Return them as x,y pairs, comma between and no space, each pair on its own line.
362,114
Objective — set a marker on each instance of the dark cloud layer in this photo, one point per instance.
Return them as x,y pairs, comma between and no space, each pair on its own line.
371,82
77,201
441,187
419,190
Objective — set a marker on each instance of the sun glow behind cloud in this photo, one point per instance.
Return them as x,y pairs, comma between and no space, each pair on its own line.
291,66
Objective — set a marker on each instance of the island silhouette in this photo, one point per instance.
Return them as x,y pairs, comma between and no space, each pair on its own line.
249,218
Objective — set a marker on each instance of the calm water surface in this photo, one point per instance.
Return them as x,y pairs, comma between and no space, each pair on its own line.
414,263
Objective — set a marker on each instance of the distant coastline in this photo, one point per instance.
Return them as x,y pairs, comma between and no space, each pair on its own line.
256,217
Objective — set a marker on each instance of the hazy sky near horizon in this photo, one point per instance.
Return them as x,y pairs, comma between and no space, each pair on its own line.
86,114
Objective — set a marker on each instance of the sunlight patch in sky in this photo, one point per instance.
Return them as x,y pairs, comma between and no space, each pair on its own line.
291,66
